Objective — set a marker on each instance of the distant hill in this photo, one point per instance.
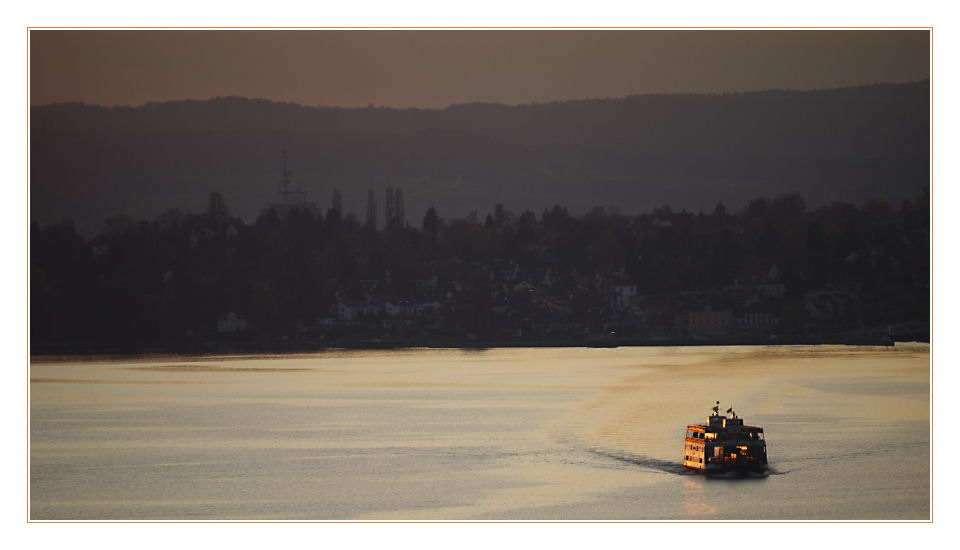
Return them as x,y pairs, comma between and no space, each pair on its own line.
636,153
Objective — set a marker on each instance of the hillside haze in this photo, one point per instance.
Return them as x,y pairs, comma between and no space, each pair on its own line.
687,151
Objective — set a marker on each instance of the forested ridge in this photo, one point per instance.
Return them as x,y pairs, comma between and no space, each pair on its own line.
688,150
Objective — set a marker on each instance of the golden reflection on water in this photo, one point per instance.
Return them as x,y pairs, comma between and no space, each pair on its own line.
570,426
86,381
695,502
215,368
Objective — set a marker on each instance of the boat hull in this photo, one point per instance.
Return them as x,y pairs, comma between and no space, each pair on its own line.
736,474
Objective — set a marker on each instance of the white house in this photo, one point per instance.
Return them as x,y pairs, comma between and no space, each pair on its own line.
231,323
348,311
426,308
398,309
623,296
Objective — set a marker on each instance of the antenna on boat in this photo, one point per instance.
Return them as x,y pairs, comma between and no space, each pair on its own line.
716,409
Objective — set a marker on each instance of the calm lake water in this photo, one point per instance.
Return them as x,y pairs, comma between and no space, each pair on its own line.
515,434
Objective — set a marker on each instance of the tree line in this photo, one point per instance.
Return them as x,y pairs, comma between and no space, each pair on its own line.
160,283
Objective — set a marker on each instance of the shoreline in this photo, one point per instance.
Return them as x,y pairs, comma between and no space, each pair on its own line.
62,352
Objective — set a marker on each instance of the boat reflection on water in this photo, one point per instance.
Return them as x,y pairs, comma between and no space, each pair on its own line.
725,446
695,503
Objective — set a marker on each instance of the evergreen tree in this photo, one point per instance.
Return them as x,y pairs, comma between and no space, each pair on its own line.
371,220
336,204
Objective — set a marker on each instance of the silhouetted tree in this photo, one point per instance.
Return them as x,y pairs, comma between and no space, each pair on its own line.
399,212
389,209
499,217
431,222
788,206
393,208
336,203
757,208
217,208
371,220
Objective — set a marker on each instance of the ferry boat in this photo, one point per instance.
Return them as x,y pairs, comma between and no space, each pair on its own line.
725,444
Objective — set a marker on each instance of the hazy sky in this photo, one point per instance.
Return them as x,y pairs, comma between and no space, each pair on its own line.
427,68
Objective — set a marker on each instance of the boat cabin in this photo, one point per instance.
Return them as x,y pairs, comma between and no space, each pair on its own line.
724,443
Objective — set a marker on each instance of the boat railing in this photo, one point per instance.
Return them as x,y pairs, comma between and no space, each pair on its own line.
739,436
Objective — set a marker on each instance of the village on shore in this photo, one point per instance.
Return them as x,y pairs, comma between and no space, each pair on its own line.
301,279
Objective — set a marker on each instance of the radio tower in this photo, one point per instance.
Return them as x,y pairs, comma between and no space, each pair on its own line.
290,199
